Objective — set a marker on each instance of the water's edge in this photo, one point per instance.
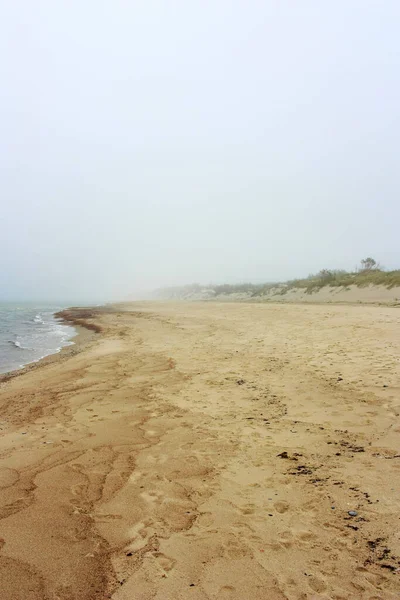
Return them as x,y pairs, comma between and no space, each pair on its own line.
29,333
85,332
55,351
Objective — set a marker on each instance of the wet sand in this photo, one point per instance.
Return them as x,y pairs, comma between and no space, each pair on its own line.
207,451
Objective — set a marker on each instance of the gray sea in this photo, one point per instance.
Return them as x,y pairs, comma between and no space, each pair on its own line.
29,332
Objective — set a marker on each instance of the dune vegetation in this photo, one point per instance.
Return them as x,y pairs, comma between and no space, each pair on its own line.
368,273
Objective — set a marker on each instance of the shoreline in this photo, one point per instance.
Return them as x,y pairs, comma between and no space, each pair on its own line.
84,335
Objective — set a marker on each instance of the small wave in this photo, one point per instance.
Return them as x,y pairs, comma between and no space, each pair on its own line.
30,335
17,344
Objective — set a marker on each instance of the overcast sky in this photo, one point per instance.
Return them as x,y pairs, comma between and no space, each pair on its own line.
146,143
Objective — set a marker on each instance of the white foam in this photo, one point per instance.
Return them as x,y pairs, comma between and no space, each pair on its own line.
18,344
34,337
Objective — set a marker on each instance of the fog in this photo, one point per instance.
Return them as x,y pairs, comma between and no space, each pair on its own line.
155,143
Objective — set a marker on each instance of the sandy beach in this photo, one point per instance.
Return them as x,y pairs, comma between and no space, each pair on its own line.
206,451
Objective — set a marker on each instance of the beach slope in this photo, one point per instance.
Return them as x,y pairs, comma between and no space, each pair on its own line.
206,451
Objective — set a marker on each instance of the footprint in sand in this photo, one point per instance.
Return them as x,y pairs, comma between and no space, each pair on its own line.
286,539
226,591
281,507
317,584
165,562
247,509
306,536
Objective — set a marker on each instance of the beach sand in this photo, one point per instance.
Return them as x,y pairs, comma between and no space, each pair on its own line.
207,451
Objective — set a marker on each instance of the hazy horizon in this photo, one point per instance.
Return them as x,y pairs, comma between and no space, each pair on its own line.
158,144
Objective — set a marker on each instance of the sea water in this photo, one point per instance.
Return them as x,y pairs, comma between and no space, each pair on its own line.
30,332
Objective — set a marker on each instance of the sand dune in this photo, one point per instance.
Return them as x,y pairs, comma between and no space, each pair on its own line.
353,294
207,451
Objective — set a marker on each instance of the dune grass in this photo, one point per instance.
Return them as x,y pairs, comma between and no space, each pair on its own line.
388,279
311,284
